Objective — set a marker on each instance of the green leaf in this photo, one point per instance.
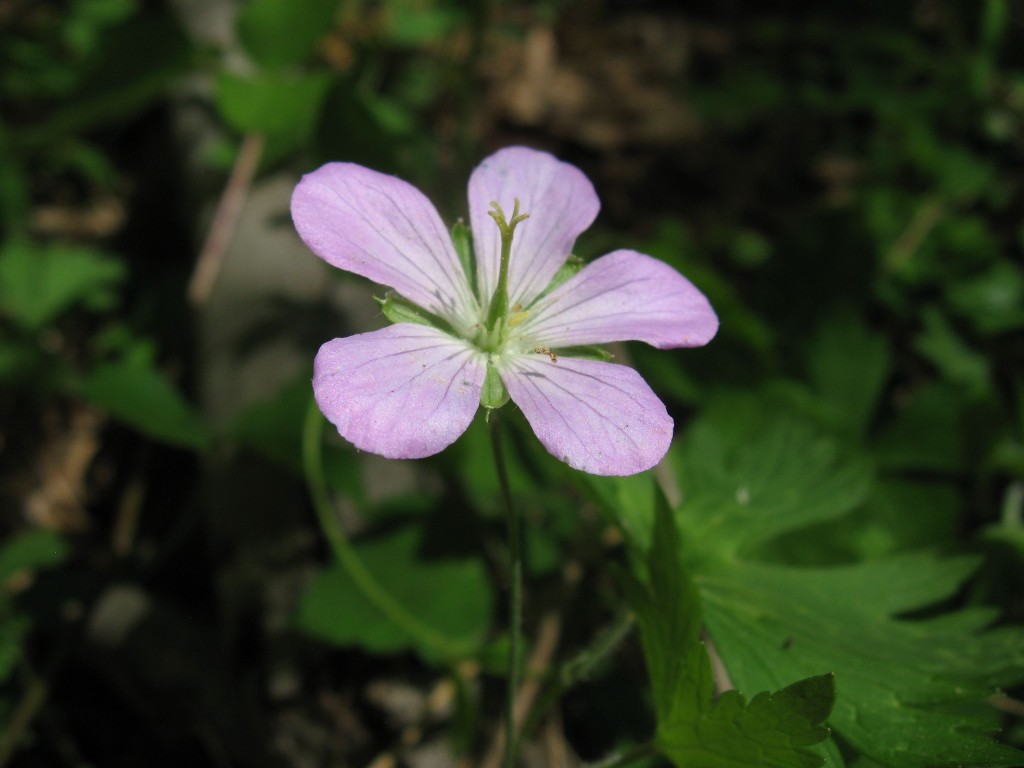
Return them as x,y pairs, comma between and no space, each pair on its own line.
413,22
273,427
751,476
960,364
281,106
993,300
927,432
675,244
31,550
911,692
471,460
363,126
144,399
897,516
694,727
18,358
25,552
38,283
132,64
279,34
631,499
450,596
848,366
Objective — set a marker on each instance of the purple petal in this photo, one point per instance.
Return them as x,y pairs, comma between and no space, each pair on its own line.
561,203
598,417
405,392
621,297
384,229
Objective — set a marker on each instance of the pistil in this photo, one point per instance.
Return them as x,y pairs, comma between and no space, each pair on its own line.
499,306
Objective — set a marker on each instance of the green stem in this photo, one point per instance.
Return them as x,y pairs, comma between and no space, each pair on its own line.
312,462
630,756
515,597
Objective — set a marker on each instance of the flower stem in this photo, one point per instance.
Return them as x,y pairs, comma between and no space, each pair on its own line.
425,637
515,596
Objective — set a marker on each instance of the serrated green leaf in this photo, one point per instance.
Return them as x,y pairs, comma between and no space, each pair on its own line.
911,692
144,399
773,730
450,596
279,34
38,283
906,686
695,728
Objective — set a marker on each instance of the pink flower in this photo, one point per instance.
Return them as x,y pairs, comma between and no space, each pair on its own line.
409,390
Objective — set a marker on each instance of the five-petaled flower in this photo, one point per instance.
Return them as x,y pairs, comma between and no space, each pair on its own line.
410,389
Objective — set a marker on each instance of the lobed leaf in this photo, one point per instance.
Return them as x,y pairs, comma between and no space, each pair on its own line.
695,728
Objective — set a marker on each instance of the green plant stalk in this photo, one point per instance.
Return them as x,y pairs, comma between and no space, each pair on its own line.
345,553
515,596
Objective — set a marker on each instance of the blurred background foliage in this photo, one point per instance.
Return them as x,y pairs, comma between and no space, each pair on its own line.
845,182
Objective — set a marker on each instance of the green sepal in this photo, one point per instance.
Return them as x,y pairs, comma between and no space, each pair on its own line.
462,238
493,395
399,310
572,265
587,352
